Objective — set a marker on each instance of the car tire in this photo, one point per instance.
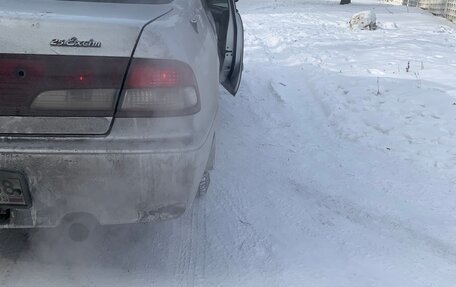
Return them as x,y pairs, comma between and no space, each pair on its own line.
204,184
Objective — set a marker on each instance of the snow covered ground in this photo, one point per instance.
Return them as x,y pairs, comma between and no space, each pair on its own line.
335,167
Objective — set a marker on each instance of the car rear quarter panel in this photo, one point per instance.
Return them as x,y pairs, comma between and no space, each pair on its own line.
174,37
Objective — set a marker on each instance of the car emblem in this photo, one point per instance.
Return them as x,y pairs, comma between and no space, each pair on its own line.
74,42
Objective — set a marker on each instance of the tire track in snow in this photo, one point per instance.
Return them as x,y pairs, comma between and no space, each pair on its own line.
199,208
379,223
191,261
184,238
248,244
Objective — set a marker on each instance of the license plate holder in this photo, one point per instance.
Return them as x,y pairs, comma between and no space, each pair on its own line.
14,191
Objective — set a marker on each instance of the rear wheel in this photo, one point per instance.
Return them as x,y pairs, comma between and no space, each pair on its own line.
204,184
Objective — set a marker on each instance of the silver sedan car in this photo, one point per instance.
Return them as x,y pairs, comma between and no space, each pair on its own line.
108,107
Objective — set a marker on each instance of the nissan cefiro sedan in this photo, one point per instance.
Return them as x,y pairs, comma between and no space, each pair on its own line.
108,107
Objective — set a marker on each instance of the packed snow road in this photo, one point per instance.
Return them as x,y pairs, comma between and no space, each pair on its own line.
335,167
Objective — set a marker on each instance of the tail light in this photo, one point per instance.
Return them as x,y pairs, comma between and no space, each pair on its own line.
158,88
80,86
57,85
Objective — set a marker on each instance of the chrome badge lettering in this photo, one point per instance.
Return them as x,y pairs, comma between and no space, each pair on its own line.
74,42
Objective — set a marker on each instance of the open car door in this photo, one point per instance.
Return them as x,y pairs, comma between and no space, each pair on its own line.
230,32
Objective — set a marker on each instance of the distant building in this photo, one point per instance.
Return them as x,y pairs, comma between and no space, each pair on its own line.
444,8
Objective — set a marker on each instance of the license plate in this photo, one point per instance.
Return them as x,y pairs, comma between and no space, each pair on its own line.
14,191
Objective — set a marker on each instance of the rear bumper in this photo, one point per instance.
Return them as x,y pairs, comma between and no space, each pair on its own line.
115,187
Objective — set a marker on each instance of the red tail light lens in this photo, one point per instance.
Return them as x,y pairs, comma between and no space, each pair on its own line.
158,88
80,86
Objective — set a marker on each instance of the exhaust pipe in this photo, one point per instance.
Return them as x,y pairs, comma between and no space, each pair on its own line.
79,226
78,232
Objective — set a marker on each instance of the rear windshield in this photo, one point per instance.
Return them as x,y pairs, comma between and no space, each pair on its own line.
126,1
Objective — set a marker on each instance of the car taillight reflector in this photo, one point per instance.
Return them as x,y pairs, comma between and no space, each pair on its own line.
158,88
